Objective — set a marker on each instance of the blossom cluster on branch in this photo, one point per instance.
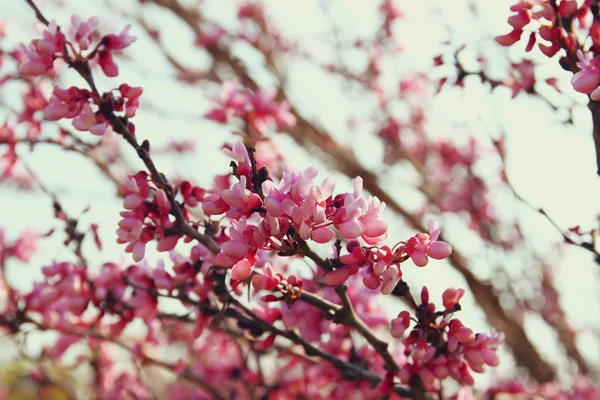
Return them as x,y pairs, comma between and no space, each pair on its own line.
276,286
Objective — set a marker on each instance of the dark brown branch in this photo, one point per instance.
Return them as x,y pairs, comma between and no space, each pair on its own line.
344,366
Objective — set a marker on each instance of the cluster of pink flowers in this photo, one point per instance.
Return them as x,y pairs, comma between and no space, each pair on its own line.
259,110
381,265
422,246
82,105
543,12
439,346
77,104
63,301
147,216
134,229
41,53
311,211
63,297
587,79
64,294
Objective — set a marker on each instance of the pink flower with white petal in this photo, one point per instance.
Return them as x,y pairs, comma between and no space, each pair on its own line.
241,200
41,53
267,281
241,270
238,153
84,30
56,109
391,276
360,216
422,246
87,120
400,324
588,78
130,232
136,192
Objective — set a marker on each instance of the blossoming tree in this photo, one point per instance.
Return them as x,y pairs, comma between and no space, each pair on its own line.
255,279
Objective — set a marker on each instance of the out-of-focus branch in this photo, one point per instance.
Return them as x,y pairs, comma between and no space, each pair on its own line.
568,237
557,318
184,73
87,153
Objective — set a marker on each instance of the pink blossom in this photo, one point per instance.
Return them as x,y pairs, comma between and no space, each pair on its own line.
422,245
322,235
391,276
298,200
451,297
41,53
266,281
588,78
168,243
84,30
106,62
144,304
120,41
88,121
360,216
56,109
241,200
132,99
130,232
400,324
231,102
259,109
241,270
25,246
238,153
